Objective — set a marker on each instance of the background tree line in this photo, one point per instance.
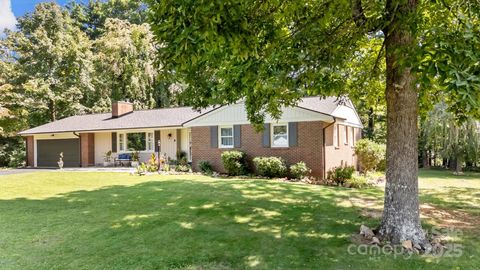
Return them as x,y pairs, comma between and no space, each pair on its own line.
75,60
79,58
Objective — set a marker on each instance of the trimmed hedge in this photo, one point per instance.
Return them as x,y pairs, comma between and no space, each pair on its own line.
234,162
340,175
299,170
270,166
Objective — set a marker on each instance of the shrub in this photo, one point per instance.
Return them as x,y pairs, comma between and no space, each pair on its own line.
152,165
357,181
135,155
17,158
340,175
234,162
205,167
270,166
141,169
12,152
299,170
182,168
371,155
182,158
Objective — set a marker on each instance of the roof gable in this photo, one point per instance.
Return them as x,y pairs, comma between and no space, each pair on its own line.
236,114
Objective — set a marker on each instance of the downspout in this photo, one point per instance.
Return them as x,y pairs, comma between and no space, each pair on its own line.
324,148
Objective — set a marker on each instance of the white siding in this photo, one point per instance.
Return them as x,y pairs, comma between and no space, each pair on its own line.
184,142
236,114
349,114
103,144
168,144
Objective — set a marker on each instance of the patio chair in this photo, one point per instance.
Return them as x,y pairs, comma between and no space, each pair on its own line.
123,160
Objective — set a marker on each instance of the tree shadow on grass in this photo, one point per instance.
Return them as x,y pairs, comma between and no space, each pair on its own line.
185,224
170,224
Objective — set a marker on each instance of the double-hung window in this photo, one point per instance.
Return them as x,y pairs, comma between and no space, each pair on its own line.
345,135
225,136
335,135
136,141
351,136
150,143
279,135
121,142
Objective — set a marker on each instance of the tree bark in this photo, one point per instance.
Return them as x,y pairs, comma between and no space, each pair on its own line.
53,110
452,164
371,124
458,165
425,159
401,214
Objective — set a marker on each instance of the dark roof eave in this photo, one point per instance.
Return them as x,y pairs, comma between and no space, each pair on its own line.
25,133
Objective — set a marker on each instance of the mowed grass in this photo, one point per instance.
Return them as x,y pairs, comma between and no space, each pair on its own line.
85,220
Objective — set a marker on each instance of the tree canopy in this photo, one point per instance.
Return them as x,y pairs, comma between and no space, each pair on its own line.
267,51
271,53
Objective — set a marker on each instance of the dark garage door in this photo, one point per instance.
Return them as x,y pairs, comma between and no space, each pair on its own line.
49,152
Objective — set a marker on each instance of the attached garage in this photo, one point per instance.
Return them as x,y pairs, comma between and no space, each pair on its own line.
48,152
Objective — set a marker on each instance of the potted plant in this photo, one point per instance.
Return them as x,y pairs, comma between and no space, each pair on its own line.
107,159
135,155
60,161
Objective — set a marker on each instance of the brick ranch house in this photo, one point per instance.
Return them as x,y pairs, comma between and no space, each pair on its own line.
319,131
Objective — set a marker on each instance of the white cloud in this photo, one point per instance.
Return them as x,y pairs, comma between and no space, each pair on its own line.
7,19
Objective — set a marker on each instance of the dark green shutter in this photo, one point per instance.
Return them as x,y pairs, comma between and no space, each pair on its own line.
266,135
114,142
292,134
156,138
237,136
214,136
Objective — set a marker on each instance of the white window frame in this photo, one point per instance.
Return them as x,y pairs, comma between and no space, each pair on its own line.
351,134
220,144
122,142
345,134
149,141
272,141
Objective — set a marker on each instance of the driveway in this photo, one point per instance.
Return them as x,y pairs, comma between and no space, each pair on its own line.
18,171
89,169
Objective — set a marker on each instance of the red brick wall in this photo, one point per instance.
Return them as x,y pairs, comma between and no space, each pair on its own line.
343,154
30,149
87,151
120,108
309,148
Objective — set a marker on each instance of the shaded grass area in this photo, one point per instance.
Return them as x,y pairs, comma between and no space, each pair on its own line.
116,221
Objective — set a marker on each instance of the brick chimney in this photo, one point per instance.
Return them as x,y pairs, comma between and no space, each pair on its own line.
120,108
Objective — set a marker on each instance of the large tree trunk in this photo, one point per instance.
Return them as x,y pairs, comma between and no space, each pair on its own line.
458,165
426,159
401,215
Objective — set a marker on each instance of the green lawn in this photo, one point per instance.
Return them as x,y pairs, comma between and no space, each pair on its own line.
73,220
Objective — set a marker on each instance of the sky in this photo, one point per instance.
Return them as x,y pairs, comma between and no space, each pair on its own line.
10,9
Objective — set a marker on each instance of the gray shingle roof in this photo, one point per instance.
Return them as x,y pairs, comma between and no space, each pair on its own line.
169,117
157,118
322,105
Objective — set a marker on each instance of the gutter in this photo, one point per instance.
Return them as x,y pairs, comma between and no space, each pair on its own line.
324,148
